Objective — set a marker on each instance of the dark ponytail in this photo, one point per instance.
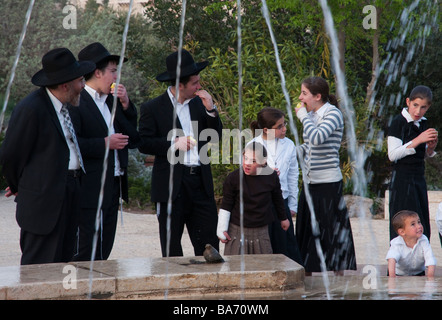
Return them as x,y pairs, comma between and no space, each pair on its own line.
333,100
254,126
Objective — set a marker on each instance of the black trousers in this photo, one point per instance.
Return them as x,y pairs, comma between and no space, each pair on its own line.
195,210
106,229
58,245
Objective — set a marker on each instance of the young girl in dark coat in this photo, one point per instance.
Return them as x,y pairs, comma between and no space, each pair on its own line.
261,188
410,141
270,130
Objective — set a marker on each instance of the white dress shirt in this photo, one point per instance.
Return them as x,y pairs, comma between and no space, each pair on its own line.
191,157
411,261
100,101
281,155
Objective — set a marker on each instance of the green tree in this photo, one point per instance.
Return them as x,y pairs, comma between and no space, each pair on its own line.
46,32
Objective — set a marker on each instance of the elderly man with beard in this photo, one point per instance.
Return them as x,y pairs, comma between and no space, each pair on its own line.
41,161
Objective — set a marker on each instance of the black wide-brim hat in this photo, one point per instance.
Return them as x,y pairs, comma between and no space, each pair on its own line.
60,66
188,66
97,53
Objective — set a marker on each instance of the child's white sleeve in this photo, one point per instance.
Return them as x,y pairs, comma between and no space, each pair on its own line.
223,223
292,181
430,260
397,150
393,252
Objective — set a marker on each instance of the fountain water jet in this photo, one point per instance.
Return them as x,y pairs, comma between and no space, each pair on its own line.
315,227
17,57
395,65
357,154
169,201
241,173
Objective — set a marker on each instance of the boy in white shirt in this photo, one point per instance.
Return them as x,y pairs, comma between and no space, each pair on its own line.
410,252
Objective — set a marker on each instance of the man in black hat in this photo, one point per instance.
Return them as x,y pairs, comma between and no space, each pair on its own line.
95,129
193,202
42,163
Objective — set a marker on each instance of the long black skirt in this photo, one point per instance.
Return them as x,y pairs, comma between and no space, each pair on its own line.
284,241
408,191
333,233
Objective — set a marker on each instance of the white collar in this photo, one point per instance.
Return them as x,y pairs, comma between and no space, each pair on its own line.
57,103
401,241
407,116
95,95
321,111
173,99
261,140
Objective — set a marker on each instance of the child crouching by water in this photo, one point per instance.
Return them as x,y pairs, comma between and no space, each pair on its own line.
410,252
261,190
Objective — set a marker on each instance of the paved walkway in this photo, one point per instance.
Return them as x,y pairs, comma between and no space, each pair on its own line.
138,236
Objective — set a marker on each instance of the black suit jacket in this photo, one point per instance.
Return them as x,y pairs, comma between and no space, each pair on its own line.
155,126
91,130
35,161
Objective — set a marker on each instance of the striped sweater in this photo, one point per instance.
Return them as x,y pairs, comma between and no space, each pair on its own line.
322,135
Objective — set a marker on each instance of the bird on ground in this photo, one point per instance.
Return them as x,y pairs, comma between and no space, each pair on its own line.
212,255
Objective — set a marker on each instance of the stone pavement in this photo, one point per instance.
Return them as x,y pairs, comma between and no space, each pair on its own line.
137,237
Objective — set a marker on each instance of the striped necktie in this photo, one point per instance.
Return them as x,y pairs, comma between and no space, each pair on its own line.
68,123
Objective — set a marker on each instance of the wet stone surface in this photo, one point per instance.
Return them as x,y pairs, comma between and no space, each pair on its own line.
151,278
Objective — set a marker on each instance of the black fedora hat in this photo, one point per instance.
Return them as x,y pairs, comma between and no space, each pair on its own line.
96,52
60,66
188,66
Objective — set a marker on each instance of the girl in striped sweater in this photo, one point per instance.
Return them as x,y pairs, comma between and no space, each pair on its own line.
323,128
